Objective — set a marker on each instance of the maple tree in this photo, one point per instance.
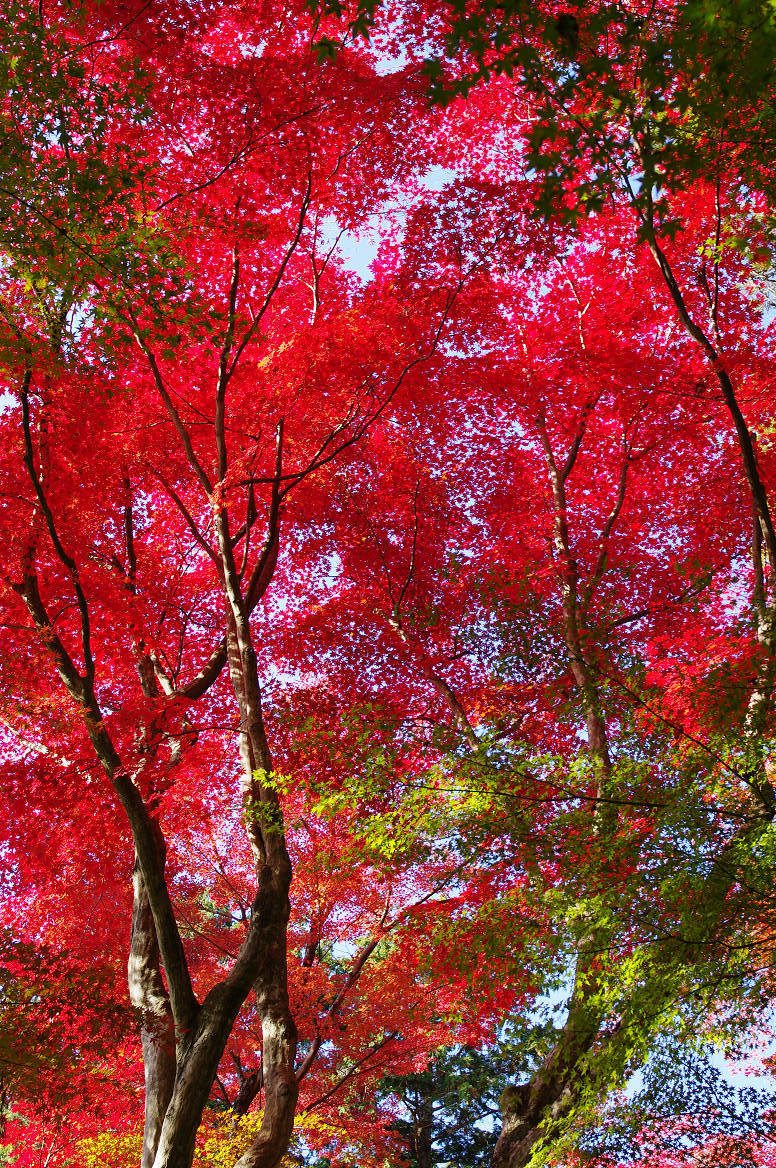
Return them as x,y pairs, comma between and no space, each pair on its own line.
633,106
450,589
254,227
606,456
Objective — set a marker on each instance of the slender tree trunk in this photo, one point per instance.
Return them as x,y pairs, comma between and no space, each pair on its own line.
261,962
279,1037
423,1135
529,1109
150,1000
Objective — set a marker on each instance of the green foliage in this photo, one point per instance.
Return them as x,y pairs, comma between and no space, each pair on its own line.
450,1112
79,238
620,99
648,103
66,202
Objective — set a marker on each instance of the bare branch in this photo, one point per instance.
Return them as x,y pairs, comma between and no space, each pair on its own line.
250,331
190,523
66,560
600,565
223,361
173,414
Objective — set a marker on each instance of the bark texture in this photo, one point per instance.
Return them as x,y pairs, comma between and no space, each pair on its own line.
157,1029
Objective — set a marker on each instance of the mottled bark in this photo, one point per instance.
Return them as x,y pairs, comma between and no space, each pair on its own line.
528,1110
259,963
250,1082
152,1004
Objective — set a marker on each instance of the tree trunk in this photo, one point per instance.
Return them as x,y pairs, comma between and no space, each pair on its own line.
261,961
528,1110
157,1032
423,1134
